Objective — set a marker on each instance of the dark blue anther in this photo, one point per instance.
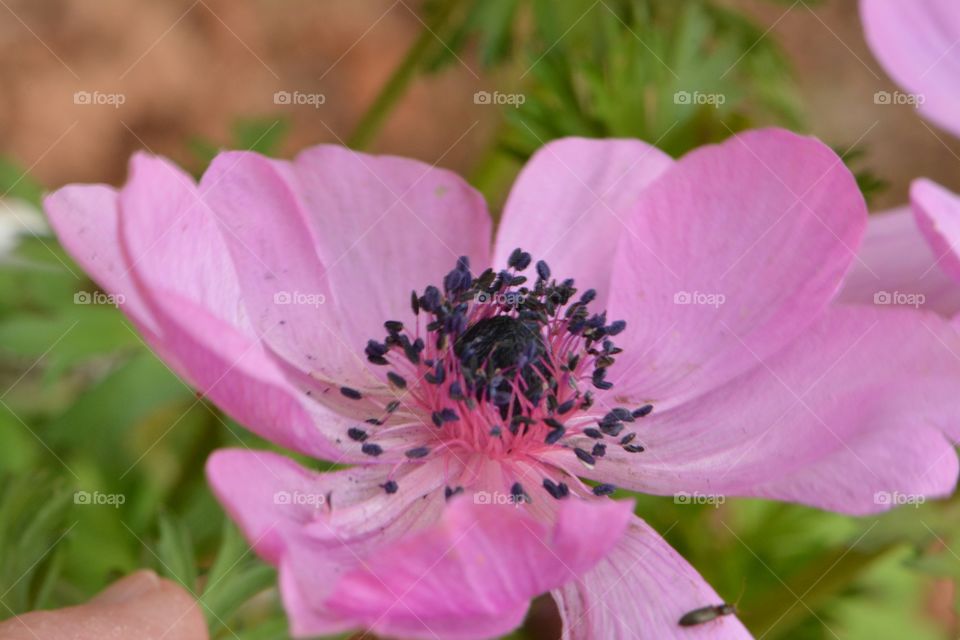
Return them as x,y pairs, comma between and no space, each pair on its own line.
643,411
543,270
604,490
567,407
585,456
431,299
616,327
554,436
371,449
419,452
557,491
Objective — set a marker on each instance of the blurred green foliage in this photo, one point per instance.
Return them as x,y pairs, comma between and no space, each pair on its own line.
102,447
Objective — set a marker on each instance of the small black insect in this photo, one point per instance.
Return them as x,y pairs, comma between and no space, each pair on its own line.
706,614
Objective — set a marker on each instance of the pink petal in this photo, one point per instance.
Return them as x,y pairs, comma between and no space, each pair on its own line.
916,42
857,405
84,218
571,203
291,306
643,587
937,212
174,252
361,231
769,221
473,574
317,526
895,258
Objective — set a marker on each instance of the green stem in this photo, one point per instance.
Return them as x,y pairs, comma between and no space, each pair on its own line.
371,122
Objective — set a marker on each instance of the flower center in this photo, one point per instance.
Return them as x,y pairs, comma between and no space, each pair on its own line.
504,344
500,366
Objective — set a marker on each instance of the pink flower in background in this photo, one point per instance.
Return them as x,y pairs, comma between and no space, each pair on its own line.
473,410
916,42
914,250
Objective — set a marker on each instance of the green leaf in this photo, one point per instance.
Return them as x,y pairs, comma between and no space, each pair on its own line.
33,526
175,552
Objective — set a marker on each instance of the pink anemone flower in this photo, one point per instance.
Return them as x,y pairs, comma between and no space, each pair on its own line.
914,251
640,323
916,42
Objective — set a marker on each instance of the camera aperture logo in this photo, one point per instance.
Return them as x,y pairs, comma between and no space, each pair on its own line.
699,298
299,98
899,298
97,498
299,298
512,99
299,498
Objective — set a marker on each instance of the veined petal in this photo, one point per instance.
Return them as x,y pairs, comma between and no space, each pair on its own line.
358,231
733,252
863,403
472,576
572,203
155,245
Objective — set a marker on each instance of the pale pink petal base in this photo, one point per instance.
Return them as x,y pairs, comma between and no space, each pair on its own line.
473,575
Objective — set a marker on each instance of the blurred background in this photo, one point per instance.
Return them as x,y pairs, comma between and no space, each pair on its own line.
102,447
